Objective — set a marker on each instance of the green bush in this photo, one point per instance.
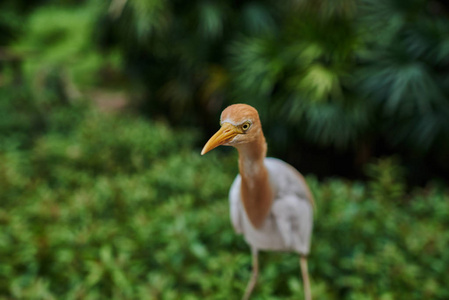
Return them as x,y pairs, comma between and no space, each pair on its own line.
119,207
351,79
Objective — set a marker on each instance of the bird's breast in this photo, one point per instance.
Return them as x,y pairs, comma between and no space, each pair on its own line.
257,196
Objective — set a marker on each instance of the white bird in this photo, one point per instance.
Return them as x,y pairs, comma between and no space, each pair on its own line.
270,202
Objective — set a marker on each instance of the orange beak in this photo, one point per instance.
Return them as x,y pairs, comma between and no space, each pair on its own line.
226,133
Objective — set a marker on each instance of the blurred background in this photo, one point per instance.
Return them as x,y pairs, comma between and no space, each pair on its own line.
105,106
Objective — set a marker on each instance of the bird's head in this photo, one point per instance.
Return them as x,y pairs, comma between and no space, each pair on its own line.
240,124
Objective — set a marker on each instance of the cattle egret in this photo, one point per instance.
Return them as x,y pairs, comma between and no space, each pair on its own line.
270,202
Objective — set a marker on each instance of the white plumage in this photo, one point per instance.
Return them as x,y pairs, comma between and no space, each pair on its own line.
289,225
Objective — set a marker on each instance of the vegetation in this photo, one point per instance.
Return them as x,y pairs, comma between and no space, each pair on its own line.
360,78
120,205
348,80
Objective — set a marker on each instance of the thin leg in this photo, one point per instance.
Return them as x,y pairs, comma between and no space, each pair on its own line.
305,278
253,280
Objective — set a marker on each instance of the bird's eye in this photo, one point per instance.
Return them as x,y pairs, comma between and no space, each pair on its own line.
246,126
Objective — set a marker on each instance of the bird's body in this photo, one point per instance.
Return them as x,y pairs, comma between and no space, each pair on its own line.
270,203
288,226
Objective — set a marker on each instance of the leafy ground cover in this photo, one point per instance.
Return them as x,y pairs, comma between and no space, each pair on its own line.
98,206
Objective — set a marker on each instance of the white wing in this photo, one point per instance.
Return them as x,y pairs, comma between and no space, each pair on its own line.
293,205
293,217
289,225
234,202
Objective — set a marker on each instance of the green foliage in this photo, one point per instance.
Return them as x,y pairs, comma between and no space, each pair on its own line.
337,74
119,207
94,213
385,249
406,71
343,75
17,116
387,180
59,45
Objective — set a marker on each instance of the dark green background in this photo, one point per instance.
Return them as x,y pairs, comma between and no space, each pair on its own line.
104,108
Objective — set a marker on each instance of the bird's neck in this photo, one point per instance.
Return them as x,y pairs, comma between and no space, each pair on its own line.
256,191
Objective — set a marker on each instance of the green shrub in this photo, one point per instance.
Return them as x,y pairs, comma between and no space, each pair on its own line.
120,207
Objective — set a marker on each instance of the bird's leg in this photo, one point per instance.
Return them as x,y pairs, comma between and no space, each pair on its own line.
253,280
305,278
